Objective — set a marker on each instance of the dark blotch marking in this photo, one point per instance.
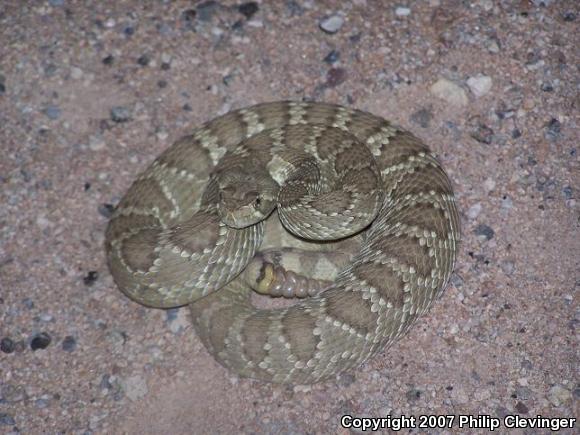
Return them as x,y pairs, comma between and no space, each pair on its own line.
255,335
138,249
349,307
298,327
426,217
364,180
147,194
332,140
352,156
187,153
332,201
199,232
124,224
230,129
401,147
381,276
273,116
408,251
423,180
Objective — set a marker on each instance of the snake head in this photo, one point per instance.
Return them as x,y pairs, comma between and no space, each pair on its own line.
246,196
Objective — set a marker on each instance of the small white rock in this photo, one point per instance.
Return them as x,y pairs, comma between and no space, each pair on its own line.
479,85
332,24
489,185
402,11
180,323
43,222
76,73
162,135
450,92
474,211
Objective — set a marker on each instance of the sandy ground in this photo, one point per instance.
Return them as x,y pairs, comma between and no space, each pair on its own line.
89,95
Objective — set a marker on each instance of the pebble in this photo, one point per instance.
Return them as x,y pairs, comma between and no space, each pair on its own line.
206,10
12,394
553,128
569,16
90,278
523,393
489,184
402,11
346,379
482,133
43,222
507,267
162,134
332,57
56,2
76,73
108,60
450,92
507,203
332,24
6,419
120,114
69,344
567,191
143,60
40,341
52,112
484,232
106,210
188,18
457,280
479,85
7,345
474,211
422,117
335,76
45,317
558,395
128,31
42,403
178,320
135,387
248,9
521,408
492,46
413,394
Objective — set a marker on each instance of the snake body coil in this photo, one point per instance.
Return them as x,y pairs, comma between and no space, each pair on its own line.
167,243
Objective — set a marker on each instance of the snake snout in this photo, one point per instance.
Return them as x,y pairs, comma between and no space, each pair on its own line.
245,198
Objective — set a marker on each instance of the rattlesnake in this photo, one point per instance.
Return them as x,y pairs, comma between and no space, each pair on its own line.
167,245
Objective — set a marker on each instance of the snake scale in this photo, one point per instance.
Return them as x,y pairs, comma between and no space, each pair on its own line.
189,230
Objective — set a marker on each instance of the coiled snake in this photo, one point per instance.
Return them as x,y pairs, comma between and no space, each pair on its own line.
188,231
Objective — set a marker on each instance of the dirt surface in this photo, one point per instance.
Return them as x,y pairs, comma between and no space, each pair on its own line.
89,95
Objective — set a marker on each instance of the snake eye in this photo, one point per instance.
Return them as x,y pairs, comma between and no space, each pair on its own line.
258,201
